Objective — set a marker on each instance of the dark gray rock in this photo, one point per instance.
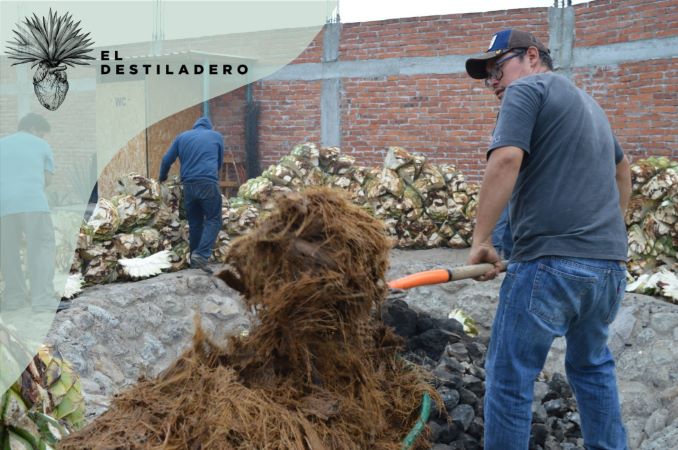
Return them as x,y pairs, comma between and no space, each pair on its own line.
398,315
476,428
540,391
539,433
559,385
466,442
447,378
449,433
462,416
426,322
458,351
450,397
477,352
435,430
441,447
468,397
474,384
551,443
453,326
452,364
539,414
556,407
431,342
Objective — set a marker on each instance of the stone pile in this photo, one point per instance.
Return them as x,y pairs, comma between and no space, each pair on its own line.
456,361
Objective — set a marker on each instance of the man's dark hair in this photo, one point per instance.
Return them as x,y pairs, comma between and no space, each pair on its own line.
34,122
544,57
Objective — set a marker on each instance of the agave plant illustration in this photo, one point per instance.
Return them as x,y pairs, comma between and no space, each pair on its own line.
51,44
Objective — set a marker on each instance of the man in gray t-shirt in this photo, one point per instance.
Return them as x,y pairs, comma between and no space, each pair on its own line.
553,154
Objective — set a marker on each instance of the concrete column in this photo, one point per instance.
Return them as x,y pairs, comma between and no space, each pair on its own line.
25,89
561,39
330,97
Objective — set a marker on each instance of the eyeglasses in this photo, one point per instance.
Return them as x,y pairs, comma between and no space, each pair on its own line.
496,71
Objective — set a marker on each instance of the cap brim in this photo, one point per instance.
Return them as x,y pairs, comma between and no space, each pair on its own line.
475,66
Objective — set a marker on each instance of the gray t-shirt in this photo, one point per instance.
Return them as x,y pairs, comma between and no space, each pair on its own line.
565,201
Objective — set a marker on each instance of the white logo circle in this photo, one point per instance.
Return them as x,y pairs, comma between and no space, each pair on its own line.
494,38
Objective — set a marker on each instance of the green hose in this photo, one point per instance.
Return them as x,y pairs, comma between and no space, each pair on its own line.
418,427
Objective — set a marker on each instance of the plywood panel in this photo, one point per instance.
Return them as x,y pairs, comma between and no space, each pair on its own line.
131,158
118,155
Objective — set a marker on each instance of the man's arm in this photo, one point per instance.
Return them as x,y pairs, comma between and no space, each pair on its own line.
168,160
500,177
623,177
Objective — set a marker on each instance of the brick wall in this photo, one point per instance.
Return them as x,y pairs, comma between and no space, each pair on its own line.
230,109
612,21
434,35
313,52
450,117
290,114
641,102
439,116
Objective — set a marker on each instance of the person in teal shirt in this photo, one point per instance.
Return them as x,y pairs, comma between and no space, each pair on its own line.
26,167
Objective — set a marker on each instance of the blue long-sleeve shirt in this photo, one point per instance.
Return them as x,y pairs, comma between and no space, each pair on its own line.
200,151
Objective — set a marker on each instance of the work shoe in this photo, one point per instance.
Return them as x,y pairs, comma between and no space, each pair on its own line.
198,262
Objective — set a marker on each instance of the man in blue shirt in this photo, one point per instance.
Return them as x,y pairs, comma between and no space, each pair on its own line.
554,155
26,167
201,155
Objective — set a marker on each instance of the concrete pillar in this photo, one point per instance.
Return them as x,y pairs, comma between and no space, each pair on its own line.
25,91
330,97
561,39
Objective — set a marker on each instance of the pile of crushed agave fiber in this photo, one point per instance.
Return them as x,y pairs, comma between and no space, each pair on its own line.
318,370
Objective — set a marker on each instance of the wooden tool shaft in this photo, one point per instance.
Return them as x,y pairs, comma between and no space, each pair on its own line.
438,276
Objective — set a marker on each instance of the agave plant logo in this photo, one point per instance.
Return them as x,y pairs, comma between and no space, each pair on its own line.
51,44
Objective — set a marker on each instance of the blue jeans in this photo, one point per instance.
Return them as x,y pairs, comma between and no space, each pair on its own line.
202,201
540,299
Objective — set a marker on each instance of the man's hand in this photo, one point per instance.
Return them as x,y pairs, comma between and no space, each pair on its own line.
485,253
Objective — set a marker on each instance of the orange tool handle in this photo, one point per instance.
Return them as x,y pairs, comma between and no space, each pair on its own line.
438,276
421,279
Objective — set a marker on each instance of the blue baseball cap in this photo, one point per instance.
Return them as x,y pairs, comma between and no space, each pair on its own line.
502,42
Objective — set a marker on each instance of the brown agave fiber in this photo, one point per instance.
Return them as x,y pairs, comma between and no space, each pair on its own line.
316,372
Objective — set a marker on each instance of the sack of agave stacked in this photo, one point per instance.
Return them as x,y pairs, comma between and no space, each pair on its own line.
44,404
652,223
